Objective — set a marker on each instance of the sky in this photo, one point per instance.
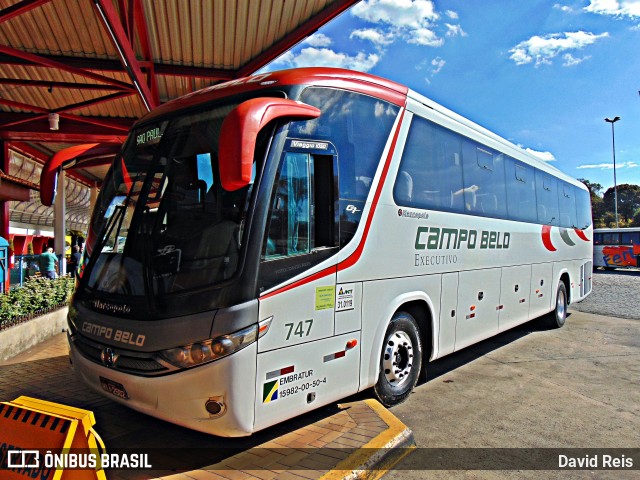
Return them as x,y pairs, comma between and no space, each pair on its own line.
542,74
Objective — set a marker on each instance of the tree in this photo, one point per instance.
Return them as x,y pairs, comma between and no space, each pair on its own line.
628,201
594,188
597,204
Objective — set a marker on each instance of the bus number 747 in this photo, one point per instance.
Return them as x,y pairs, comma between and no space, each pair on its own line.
299,331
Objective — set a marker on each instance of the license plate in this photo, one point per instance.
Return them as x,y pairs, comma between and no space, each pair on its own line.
114,388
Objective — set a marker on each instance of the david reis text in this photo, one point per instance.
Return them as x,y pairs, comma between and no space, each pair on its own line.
595,461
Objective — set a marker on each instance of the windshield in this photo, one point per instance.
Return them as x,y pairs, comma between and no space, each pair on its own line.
163,224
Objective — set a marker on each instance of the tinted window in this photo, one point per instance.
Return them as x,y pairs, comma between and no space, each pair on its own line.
290,211
567,205
597,238
359,128
484,186
610,238
521,191
443,170
583,201
547,195
430,174
631,238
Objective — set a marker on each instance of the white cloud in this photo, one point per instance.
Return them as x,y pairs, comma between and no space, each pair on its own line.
564,8
544,156
404,13
607,166
455,30
375,36
542,49
570,60
414,21
325,57
622,8
426,37
438,63
318,40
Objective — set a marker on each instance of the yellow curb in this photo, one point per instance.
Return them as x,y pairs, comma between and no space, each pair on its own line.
396,437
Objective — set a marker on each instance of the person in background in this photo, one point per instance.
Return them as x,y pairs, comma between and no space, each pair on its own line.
48,262
74,261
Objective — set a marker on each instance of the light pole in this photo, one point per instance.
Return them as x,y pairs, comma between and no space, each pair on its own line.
615,182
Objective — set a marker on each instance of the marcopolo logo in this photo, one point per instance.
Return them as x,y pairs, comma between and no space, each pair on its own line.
436,238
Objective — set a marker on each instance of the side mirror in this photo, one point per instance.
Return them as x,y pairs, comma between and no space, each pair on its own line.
240,130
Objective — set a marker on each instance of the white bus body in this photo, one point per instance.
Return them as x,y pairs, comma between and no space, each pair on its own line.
360,277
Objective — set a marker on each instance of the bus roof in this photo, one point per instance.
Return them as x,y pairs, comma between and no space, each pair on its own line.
328,77
372,85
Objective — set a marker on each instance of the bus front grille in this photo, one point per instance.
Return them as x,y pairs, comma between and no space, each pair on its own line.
135,363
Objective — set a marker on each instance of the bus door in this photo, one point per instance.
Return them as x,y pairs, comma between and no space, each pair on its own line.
302,363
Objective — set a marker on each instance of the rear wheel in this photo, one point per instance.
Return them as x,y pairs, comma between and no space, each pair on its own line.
558,317
400,360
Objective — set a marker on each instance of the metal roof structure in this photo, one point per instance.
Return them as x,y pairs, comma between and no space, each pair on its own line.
98,65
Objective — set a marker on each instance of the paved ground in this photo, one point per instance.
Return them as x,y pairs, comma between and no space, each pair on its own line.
337,438
530,388
615,293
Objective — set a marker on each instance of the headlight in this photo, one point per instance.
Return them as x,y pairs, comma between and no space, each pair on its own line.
210,350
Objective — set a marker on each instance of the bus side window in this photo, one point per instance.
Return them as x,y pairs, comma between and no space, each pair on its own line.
302,225
547,196
289,228
430,174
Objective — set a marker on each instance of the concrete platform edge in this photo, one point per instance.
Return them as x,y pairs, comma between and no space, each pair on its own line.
379,455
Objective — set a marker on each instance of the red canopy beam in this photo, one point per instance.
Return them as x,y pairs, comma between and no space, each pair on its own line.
22,120
106,65
61,111
93,102
46,84
143,34
95,121
20,8
109,17
23,106
45,62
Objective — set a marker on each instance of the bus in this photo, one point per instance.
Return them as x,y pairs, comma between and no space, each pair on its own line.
616,248
275,243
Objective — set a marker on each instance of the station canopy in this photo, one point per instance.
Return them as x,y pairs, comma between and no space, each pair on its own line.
83,71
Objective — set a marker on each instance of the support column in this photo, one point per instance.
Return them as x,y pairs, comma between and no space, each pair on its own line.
93,197
4,204
59,225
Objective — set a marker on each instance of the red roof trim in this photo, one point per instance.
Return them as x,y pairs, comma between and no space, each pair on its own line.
329,77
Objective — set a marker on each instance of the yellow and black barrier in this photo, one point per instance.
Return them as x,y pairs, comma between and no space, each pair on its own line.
42,440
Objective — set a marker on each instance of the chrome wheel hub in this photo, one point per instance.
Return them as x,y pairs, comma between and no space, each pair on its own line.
561,306
397,358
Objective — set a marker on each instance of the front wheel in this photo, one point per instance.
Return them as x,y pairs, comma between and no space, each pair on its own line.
400,360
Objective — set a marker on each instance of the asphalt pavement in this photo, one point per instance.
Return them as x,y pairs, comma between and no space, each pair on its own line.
534,391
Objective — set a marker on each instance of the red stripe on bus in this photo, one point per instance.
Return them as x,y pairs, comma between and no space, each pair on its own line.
581,234
316,276
355,256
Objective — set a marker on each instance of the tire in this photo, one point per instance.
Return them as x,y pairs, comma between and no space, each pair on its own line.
558,317
400,360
